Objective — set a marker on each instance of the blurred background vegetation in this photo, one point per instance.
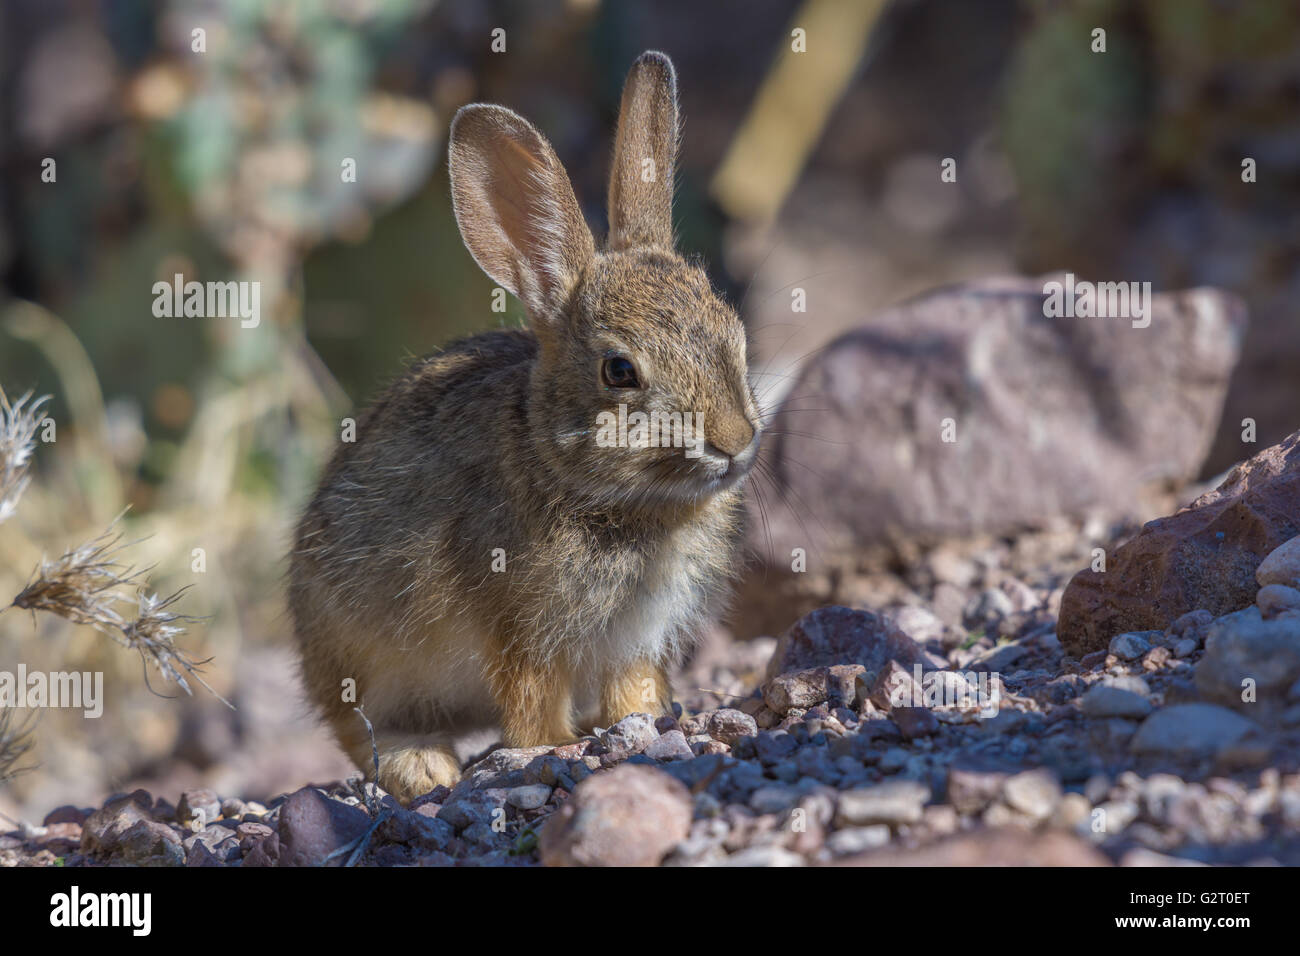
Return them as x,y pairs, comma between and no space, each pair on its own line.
818,169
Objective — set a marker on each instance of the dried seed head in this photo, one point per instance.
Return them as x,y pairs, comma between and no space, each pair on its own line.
18,423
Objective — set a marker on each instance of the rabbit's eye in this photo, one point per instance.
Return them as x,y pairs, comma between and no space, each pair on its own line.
619,372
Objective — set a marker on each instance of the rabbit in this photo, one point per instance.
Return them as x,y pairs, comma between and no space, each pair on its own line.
477,556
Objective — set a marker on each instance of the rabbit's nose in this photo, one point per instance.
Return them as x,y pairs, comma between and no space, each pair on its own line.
732,435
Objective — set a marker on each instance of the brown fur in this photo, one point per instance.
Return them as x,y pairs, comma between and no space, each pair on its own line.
614,556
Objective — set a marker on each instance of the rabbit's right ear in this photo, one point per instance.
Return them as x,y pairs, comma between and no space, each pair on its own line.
515,207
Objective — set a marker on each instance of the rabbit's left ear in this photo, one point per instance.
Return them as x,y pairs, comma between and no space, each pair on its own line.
645,153
516,209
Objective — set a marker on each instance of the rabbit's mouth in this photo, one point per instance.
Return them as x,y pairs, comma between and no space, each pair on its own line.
718,471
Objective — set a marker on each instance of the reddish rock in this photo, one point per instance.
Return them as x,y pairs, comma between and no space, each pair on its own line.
1202,557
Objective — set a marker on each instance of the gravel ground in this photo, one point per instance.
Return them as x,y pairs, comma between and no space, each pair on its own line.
856,737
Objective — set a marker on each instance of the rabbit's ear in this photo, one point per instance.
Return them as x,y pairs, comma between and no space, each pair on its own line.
515,207
645,152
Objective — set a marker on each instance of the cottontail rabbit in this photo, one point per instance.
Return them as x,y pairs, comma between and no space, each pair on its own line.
488,551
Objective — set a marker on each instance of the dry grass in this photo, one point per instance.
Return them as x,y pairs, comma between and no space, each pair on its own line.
18,423
15,741
88,585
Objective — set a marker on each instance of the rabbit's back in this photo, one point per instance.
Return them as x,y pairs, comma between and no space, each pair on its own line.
403,504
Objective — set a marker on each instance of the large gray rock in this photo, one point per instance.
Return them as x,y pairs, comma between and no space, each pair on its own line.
1052,416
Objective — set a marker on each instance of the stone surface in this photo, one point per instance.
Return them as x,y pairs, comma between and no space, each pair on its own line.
312,826
149,843
728,725
1275,599
841,635
1103,701
199,807
1190,730
892,802
1203,557
630,816
1281,565
1244,647
630,735
1053,416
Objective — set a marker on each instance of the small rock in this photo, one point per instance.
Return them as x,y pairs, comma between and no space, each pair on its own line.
67,814
728,725
857,839
801,689
892,802
973,786
149,843
669,746
987,605
1105,701
764,855
914,722
478,806
631,735
531,796
1274,599
424,833
198,808
1034,793
1244,646
103,829
631,816
312,826
1131,645
1190,730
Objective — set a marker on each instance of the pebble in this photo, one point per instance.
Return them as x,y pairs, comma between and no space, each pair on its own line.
851,840
631,735
1035,793
529,796
1131,645
1190,730
1109,701
631,815
892,802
